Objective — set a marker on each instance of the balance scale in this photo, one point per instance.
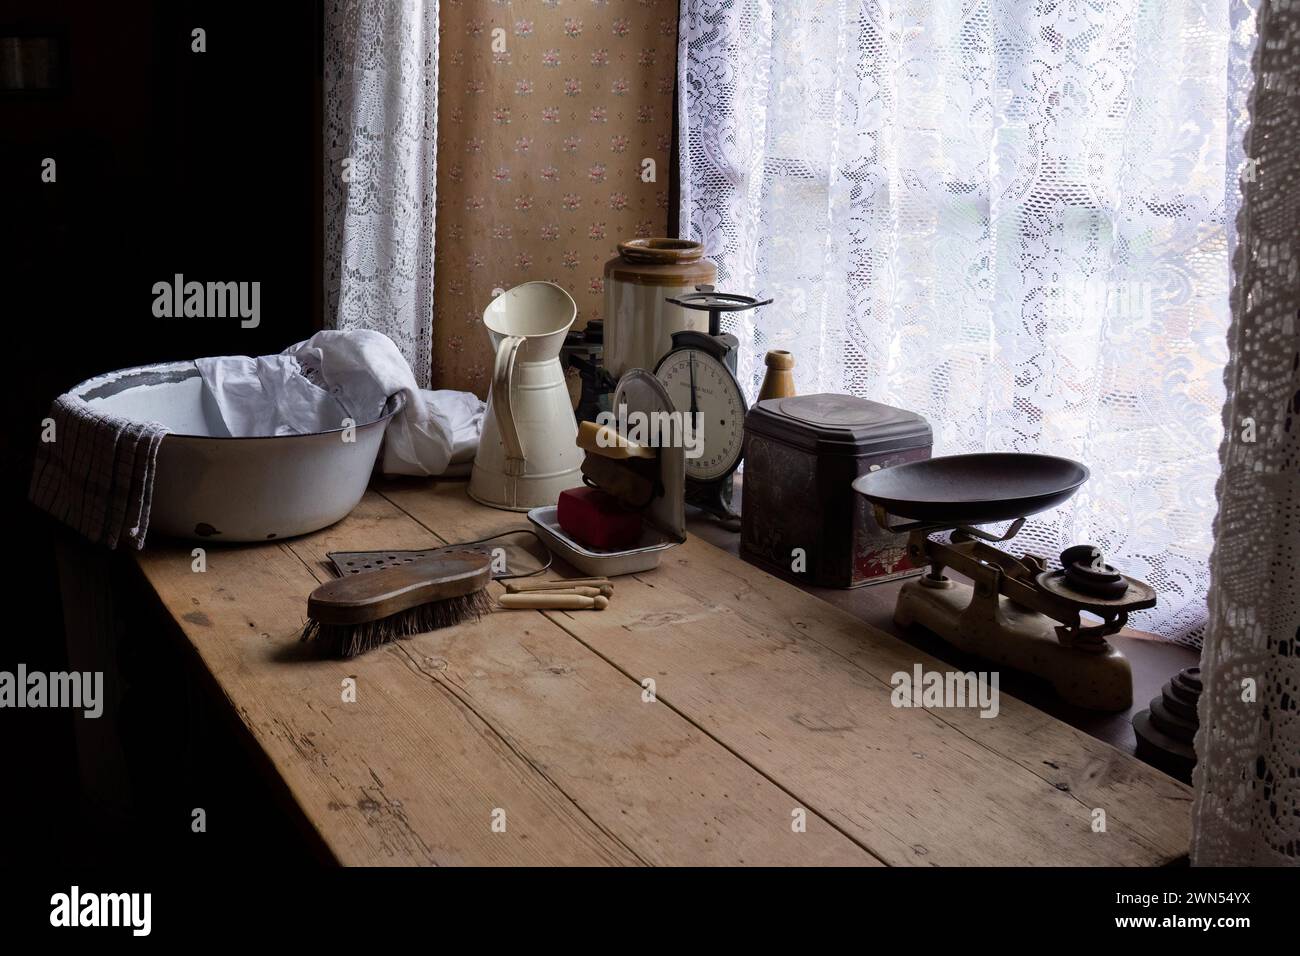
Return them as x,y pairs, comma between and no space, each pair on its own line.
1018,612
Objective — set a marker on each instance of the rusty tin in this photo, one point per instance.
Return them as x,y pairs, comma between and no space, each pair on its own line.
800,517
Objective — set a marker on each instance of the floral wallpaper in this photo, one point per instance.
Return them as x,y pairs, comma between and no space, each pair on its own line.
554,134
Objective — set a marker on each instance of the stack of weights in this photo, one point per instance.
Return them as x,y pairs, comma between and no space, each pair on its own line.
1165,732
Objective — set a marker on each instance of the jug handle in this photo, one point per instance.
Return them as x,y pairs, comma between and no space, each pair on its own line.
503,375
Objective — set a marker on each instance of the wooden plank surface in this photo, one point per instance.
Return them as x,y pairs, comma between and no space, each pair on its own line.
769,702
1153,660
801,691
509,713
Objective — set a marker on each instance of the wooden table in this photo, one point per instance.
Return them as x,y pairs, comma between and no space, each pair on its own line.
1154,661
771,706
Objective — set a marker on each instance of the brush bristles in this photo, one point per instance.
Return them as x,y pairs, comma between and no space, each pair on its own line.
349,640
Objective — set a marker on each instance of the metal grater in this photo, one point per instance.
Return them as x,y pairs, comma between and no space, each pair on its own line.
358,562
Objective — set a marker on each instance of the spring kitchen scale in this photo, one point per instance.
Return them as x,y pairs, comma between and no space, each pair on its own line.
699,374
1018,612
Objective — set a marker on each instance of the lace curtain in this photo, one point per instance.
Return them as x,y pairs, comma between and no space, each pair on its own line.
381,81
1247,808
1009,216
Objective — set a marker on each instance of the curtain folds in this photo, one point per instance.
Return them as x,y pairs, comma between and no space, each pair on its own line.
1247,808
1010,217
381,81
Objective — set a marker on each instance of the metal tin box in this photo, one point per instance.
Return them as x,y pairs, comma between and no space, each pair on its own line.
800,517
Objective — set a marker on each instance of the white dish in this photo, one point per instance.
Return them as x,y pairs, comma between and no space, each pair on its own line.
607,564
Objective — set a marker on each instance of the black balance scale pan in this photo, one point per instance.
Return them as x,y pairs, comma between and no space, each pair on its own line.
973,489
1020,613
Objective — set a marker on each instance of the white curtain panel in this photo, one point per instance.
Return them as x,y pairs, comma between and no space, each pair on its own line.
381,135
1010,216
1247,808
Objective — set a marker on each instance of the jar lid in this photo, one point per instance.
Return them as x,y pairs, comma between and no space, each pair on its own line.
661,251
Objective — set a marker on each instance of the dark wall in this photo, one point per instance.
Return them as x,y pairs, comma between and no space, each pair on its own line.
168,161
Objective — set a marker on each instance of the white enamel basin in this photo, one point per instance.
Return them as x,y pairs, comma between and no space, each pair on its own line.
214,487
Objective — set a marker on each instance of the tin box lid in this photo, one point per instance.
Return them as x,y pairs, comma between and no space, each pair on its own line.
838,424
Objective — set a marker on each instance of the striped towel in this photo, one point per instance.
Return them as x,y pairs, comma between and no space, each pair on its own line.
96,476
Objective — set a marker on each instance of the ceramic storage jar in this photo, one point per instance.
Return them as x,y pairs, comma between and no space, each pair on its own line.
639,322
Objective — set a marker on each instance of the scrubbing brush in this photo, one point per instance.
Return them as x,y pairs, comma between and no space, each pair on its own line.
354,614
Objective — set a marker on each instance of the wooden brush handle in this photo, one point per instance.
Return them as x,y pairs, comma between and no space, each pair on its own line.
542,601
371,595
603,440
561,584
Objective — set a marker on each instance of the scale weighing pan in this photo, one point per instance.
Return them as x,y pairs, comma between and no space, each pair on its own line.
973,489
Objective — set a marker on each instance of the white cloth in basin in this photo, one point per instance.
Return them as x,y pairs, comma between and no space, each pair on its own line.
315,385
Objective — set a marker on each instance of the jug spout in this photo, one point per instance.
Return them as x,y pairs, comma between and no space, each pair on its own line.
540,313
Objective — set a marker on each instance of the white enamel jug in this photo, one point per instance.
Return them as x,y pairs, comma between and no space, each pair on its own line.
528,451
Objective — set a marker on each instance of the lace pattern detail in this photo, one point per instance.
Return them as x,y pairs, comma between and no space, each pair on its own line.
1247,808
381,80
1008,217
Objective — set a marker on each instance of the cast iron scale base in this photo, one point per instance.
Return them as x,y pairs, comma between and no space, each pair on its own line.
1018,612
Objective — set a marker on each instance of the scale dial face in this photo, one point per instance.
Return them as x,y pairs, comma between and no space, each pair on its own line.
698,381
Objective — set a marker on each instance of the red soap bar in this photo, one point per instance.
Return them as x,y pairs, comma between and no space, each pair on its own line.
597,520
